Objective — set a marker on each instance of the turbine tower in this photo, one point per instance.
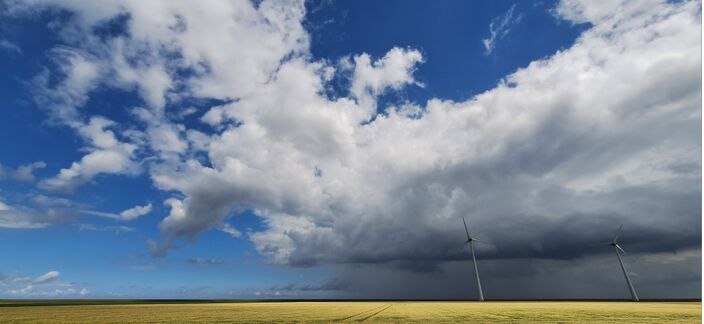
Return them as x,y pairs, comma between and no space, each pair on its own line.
618,251
470,241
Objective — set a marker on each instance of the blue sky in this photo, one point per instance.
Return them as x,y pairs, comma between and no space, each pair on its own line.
248,150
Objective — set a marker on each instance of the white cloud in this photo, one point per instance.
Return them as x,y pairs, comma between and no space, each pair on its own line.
167,138
107,156
394,70
114,229
47,201
612,10
36,212
499,28
20,218
591,134
249,40
126,215
16,220
47,277
32,291
227,228
135,212
80,75
46,285
24,173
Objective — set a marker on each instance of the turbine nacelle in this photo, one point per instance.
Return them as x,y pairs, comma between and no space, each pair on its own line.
469,238
472,240
618,247
614,242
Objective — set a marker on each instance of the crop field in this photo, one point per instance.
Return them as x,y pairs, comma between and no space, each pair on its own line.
326,312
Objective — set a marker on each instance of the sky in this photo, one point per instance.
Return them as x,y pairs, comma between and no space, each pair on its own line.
330,149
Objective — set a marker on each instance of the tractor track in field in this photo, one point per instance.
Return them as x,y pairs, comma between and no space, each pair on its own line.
375,313
367,314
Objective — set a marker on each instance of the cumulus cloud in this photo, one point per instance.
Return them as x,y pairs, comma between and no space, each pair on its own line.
556,148
107,156
14,285
21,217
251,43
394,71
47,277
36,211
499,28
24,173
19,220
79,73
564,149
47,201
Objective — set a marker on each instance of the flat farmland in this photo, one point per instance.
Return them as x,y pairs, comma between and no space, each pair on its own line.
344,311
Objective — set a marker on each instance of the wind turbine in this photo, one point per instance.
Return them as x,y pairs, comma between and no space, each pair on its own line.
470,241
618,251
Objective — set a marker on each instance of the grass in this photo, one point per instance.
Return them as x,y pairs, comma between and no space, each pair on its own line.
324,312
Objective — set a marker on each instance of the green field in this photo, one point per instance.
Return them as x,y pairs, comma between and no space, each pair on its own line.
376,312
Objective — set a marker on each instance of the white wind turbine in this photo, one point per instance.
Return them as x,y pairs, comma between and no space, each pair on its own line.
619,250
470,241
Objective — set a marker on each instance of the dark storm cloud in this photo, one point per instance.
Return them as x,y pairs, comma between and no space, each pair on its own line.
668,275
655,218
335,284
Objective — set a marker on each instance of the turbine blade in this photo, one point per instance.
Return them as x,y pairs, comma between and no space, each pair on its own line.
482,241
599,243
618,233
465,227
622,251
